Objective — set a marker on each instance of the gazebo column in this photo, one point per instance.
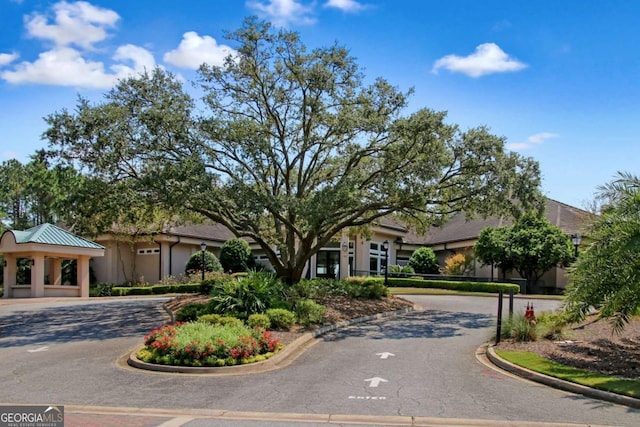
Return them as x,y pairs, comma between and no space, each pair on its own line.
37,276
83,275
55,271
10,274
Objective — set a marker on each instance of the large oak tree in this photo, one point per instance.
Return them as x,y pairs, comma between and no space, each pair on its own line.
294,146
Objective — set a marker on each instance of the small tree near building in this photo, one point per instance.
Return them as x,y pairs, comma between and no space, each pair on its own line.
235,256
424,261
211,263
456,265
532,246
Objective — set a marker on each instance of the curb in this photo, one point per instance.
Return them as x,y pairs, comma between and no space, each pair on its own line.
279,360
181,417
558,383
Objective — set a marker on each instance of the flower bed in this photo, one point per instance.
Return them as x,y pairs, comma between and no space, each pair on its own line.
200,344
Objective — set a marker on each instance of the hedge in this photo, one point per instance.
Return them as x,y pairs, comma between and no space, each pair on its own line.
491,287
155,290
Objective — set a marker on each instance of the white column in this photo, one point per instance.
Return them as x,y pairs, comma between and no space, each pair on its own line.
10,272
83,275
37,276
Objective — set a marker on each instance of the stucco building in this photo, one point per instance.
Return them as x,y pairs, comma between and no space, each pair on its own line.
158,256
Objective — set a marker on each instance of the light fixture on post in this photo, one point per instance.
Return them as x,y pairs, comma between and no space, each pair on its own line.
203,247
576,239
385,248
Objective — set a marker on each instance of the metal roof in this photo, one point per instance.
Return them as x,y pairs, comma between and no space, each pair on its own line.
49,234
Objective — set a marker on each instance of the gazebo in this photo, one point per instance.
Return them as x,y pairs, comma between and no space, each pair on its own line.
46,246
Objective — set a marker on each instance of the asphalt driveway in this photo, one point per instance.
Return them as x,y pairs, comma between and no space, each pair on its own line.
421,364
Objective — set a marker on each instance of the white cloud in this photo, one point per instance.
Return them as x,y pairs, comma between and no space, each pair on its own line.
75,29
7,58
195,50
81,24
65,66
346,5
531,141
488,58
141,58
283,12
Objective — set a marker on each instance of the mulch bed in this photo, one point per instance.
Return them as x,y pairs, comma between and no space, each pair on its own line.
593,346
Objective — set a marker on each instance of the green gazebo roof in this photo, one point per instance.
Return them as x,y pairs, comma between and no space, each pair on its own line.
49,234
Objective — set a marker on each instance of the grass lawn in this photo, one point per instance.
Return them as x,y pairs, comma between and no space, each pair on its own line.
598,381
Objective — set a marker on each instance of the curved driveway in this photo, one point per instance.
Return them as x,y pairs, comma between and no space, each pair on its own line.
419,364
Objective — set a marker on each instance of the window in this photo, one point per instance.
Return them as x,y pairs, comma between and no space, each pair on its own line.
376,258
148,251
328,264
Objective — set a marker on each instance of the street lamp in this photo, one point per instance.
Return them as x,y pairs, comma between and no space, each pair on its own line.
576,239
203,247
385,248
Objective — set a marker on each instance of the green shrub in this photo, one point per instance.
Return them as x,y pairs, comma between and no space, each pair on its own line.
253,293
235,256
424,261
259,319
211,263
491,287
367,288
216,319
191,312
309,312
281,318
552,325
303,289
146,290
213,319
103,290
161,289
402,269
318,288
208,285
520,329
185,288
230,321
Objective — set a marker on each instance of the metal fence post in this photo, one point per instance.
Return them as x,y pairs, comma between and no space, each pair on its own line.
510,304
499,327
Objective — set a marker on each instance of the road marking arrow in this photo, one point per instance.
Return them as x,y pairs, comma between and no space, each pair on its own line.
385,355
375,381
45,348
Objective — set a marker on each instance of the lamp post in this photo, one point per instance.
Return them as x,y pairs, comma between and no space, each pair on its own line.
203,247
385,248
576,239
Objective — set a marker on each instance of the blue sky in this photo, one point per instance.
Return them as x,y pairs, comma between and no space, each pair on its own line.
557,79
